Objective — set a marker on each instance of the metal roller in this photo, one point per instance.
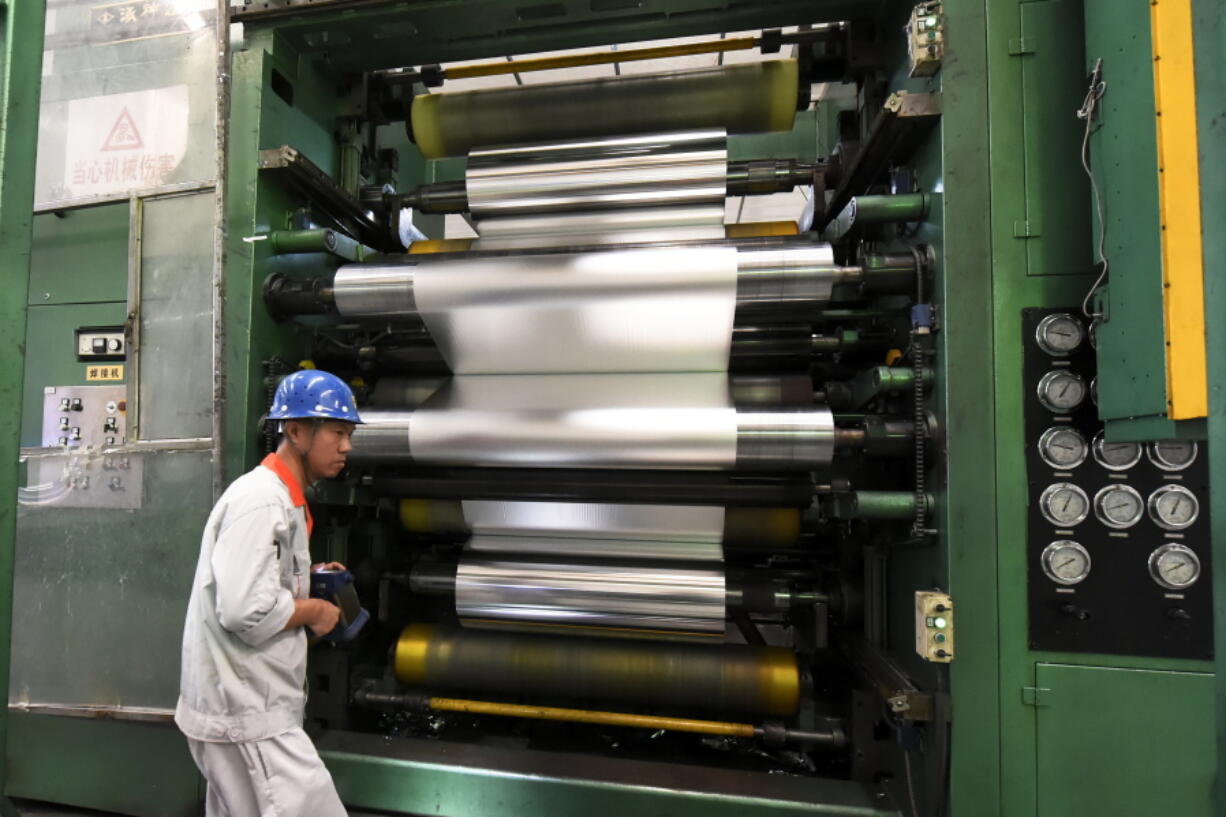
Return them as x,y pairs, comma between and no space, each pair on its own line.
792,278
658,170
651,421
619,600
724,678
747,98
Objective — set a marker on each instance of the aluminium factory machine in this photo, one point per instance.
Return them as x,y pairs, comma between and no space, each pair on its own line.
894,501
618,459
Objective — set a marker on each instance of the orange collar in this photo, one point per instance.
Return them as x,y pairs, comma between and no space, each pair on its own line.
274,463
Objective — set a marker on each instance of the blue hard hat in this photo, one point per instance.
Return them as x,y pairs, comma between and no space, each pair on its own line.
312,394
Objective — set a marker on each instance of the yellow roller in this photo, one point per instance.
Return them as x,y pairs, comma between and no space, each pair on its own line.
723,678
749,98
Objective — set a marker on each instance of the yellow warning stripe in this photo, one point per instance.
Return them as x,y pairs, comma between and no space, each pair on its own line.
1179,207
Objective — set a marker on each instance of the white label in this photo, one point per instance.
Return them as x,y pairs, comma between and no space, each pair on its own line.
125,141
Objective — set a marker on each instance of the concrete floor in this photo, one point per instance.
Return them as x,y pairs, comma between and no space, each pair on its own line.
29,808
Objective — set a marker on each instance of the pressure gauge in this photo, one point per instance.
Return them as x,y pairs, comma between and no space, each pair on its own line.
1094,390
1115,456
1061,391
1174,566
1063,448
1066,562
1172,455
1064,504
1059,334
1119,506
1173,507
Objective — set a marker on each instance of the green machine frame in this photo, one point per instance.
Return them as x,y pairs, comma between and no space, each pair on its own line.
1035,734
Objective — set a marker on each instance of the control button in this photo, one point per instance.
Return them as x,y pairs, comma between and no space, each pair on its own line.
76,404
114,344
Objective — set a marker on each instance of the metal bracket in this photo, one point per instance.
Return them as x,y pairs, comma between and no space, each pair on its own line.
880,673
895,132
1035,696
1021,46
1025,229
332,200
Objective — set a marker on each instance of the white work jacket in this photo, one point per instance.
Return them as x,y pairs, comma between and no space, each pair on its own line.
243,675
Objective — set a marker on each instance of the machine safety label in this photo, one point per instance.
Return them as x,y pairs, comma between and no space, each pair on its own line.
104,373
126,141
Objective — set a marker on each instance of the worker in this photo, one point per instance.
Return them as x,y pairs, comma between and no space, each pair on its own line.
242,688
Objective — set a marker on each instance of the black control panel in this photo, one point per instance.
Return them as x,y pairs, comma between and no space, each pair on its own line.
1118,542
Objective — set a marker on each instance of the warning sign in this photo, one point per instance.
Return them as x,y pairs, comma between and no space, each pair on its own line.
123,135
123,142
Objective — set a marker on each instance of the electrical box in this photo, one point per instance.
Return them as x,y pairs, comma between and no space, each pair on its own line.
934,626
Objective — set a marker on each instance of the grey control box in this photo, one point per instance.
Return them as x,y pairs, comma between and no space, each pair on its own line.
101,343
86,427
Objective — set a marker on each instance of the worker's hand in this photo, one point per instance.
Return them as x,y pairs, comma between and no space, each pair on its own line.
327,566
324,617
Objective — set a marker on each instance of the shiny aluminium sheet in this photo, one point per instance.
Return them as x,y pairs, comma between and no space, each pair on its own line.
641,310
602,598
644,225
579,421
582,529
589,520
681,169
558,547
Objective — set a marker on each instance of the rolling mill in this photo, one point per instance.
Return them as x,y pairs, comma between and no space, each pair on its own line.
622,457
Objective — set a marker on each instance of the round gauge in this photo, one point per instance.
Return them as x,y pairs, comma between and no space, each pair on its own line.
1174,566
1063,448
1172,455
1061,391
1066,562
1173,507
1119,506
1094,335
1094,390
1059,334
1115,456
1064,504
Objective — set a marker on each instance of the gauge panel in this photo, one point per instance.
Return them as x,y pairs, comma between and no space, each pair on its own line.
1136,513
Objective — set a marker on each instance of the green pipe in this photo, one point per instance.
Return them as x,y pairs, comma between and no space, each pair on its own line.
321,239
887,504
896,378
881,209
878,210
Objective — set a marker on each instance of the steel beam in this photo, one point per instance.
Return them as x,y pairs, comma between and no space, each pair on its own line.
20,84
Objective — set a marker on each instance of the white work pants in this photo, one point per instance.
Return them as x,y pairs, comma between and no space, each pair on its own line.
277,777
